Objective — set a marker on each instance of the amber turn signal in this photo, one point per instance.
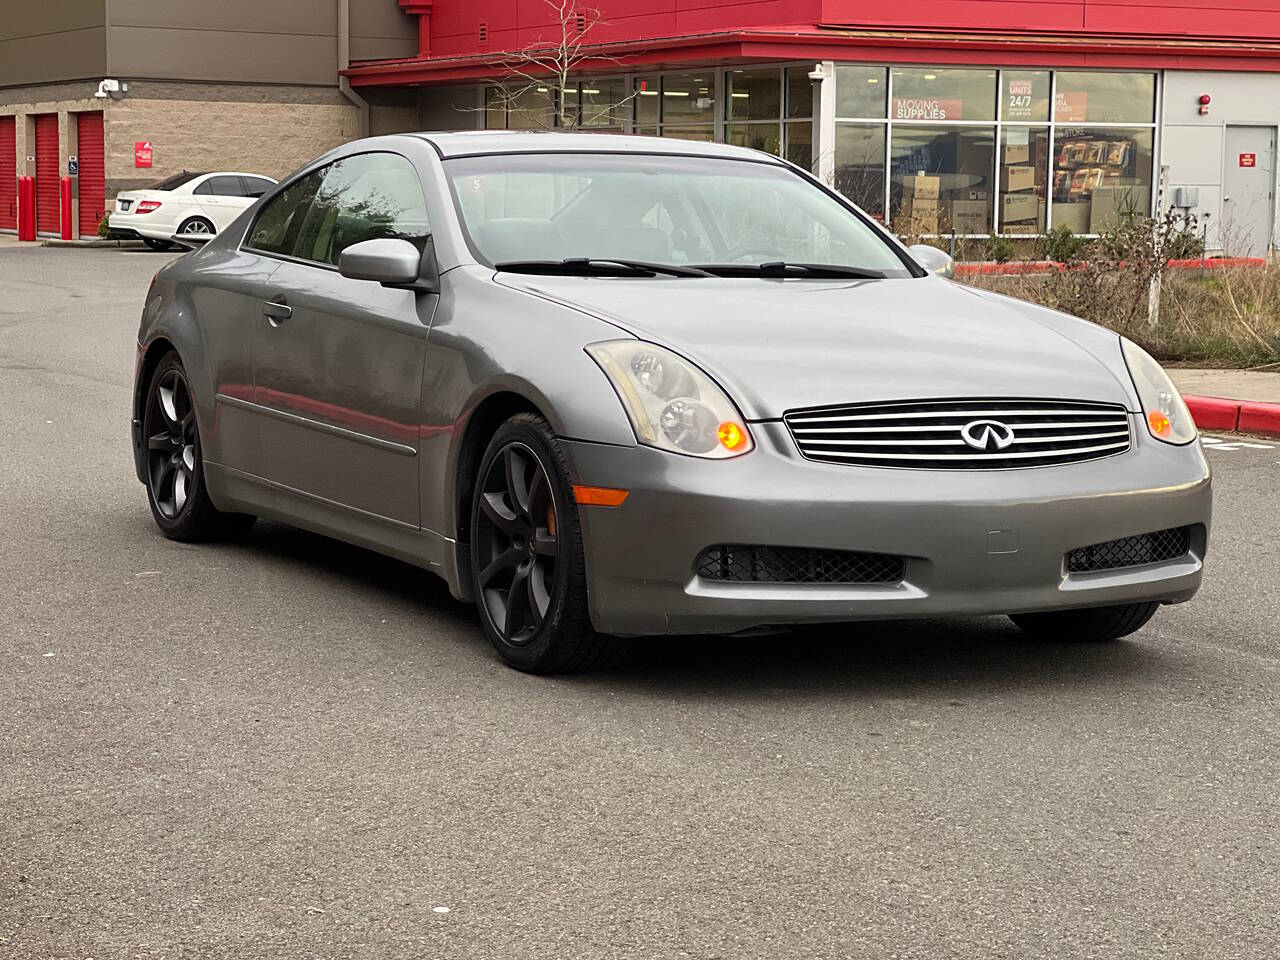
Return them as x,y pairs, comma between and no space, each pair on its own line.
730,435
598,496
1159,423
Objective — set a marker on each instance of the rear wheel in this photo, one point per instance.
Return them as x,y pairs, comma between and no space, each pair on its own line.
159,245
175,469
527,564
1093,625
197,225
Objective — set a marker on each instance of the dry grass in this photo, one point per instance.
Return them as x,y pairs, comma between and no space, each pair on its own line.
1217,317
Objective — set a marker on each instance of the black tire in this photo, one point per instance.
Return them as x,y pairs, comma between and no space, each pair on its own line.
201,225
157,245
174,464
1095,625
527,566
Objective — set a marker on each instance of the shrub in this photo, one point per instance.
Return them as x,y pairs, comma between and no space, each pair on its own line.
999,249
1061,245
104,226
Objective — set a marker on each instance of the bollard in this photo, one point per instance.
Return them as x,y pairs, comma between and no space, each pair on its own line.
66,208
26,208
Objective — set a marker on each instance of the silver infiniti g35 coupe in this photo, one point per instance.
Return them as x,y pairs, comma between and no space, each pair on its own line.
613,386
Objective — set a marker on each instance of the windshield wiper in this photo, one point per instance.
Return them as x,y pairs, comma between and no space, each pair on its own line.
598,267
781,268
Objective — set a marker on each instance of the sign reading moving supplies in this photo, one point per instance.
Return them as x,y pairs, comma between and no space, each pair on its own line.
142,153
927,108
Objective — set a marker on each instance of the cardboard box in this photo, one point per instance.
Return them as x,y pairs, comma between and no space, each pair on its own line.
1019,178
916,223
970,216
925,205
1017,152
921,185
1106,203
1074,215
1019,206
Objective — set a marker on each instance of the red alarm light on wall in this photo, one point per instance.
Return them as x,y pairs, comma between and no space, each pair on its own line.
1205,100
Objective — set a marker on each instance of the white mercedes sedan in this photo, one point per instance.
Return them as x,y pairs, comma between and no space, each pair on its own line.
199,203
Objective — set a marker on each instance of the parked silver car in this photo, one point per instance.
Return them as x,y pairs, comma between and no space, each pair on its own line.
615,386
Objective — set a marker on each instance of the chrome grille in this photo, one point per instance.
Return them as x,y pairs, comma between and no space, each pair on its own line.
929,434
1131,551
742,563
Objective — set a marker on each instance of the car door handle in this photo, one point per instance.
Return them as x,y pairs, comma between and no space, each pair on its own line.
277,311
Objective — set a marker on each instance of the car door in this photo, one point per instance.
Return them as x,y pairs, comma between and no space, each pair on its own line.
221,199
337,362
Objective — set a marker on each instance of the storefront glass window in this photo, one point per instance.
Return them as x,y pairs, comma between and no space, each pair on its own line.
757,136
860,165
648,99
754,94
936,93
1104,98
1100,174
604,104
689,98
1024,174
799,92
1024,95
704,133
861,92
800,144
531,109
941,176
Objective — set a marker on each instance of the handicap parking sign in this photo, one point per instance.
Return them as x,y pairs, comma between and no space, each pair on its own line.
73,166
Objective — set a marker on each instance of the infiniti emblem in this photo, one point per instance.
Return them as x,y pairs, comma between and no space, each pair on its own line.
987,435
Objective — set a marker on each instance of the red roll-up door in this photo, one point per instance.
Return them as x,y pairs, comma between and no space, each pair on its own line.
93,171
48,165
8,173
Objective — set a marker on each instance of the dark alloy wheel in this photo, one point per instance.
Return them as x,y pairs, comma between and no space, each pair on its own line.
172,443
526,555
175,475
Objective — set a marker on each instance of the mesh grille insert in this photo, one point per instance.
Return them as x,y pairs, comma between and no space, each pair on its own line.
1131,551
729,563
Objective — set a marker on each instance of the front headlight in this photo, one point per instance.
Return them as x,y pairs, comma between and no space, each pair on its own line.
672,404
1166,415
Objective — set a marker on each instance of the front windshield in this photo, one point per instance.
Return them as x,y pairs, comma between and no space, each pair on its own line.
657,209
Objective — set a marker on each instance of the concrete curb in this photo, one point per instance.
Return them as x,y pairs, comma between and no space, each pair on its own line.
94,243
1242,416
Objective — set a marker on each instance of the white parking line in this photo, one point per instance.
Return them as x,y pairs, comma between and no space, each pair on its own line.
1218,443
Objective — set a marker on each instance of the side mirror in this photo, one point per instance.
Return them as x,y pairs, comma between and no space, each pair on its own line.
387,261
934,260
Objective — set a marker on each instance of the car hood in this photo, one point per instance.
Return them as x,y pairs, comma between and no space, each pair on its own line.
776,345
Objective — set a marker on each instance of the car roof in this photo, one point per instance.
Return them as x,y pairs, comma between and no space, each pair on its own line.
470,143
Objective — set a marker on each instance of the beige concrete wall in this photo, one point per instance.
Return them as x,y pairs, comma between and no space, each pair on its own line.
268,138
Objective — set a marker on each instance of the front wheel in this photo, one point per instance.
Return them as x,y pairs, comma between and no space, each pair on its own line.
1095,625
527,564
175,468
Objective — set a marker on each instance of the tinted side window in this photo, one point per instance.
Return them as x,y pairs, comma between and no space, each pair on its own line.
366,197
277,226
255,186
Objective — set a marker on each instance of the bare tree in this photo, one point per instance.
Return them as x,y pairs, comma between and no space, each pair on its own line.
546,66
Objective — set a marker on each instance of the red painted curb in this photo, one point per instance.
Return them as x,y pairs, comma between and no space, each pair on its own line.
1260,418
1214,413
1245,416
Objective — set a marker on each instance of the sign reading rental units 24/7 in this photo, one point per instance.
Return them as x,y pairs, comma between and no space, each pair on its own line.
142,153
926,108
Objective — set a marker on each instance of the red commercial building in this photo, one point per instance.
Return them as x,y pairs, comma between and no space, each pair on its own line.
965,116
972,116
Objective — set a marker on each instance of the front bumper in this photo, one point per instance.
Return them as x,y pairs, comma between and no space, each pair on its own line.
640,557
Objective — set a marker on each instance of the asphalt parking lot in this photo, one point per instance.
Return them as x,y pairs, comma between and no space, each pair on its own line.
289,747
